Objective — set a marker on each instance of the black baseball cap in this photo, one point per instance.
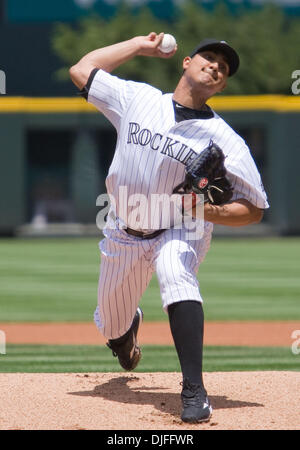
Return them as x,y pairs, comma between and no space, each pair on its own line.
222,47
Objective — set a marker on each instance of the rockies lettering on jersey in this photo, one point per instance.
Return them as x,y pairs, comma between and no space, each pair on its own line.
169,146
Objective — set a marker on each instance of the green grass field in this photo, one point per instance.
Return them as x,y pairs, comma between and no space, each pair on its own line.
56,280
68,358
241,279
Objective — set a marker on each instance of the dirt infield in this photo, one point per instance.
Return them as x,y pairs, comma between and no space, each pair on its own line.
121,401
148,401
158,333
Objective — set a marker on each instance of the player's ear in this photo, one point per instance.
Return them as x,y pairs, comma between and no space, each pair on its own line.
186,62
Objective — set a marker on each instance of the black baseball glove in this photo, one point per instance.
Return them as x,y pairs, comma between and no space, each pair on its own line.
205,174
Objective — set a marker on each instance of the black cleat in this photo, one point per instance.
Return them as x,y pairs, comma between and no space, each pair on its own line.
126,347
196,406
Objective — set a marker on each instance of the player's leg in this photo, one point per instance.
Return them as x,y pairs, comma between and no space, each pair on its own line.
187,323
124,276
177,263
188,342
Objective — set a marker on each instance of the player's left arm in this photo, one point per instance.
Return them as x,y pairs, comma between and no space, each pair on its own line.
235,214
249,198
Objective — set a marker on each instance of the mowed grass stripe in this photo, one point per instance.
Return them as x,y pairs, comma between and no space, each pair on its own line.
46,358
241,279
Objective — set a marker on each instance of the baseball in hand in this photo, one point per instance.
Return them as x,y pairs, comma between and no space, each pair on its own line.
168,44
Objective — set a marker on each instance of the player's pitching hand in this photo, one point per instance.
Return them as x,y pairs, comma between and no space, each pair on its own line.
149,45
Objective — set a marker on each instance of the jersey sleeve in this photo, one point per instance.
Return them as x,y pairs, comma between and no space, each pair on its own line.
111,95
245,179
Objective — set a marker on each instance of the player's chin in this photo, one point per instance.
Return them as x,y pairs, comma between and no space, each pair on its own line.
208,82
214,87
209,88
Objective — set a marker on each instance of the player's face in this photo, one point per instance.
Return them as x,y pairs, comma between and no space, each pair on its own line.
207,70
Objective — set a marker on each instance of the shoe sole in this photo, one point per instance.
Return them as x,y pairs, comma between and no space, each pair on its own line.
138,354
141,316
207,419
137,358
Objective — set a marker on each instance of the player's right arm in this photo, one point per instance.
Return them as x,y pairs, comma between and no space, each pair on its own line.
111,57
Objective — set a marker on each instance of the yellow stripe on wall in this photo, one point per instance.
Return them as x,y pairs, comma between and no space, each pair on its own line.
256,102
44,105
278,103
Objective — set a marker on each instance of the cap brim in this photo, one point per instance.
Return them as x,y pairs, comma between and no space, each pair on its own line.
232,57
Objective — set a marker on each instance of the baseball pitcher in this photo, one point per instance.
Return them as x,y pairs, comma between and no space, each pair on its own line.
169,146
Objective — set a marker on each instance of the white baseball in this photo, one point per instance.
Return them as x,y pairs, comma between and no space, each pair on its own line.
168,43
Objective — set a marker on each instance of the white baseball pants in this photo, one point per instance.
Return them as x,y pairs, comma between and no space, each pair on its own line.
127,265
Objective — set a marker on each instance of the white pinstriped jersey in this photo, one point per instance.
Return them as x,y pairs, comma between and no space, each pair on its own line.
150,157
152,149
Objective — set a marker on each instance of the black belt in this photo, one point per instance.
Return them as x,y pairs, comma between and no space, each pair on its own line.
142,235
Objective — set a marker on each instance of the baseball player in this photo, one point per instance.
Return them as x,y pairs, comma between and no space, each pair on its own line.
158,137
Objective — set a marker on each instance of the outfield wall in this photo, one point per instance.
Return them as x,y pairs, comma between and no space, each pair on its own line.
55,153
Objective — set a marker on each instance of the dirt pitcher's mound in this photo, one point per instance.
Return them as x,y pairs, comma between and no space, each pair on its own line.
146,401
